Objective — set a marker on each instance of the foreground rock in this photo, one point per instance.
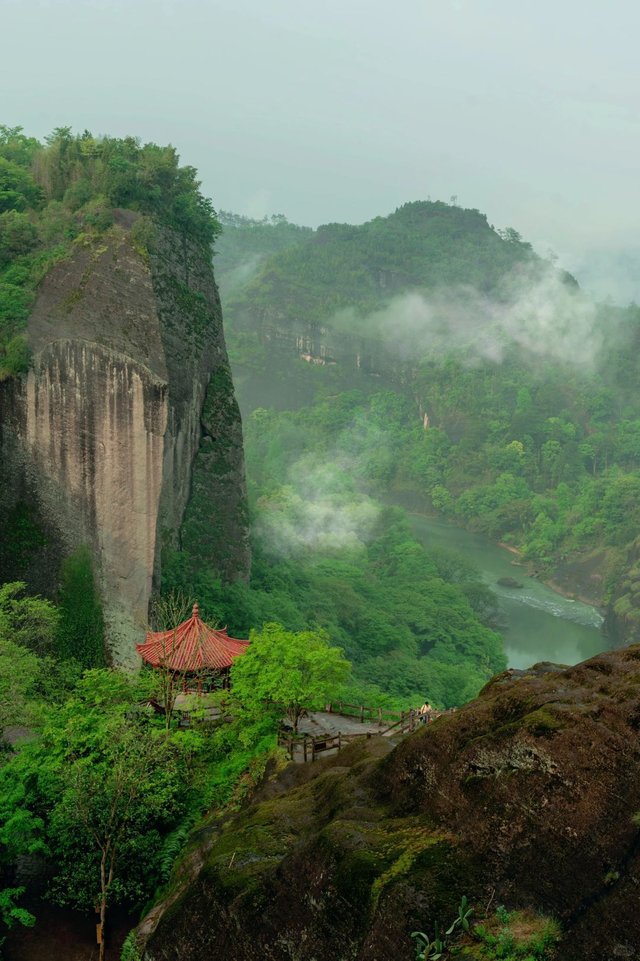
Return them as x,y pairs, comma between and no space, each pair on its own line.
527,797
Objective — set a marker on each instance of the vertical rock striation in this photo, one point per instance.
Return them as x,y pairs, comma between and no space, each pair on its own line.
98,441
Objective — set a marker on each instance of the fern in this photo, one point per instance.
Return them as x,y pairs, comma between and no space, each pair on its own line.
130,950
173,845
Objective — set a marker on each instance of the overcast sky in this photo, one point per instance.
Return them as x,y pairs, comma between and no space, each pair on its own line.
340,110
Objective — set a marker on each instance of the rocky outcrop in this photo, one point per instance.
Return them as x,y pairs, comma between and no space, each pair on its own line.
622,619
99,439
528,797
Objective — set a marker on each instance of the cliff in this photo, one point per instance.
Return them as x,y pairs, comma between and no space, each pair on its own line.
527,797
120,413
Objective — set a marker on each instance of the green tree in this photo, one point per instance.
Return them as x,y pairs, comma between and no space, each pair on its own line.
108,812
99,788
80,633
18,235
287,672
11,913
19,677
16,147
15,357
27,621
167,612
17,188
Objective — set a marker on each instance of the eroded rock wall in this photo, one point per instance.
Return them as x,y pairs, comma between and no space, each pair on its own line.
99,439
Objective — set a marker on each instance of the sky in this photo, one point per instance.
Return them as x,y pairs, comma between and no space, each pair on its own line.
341,110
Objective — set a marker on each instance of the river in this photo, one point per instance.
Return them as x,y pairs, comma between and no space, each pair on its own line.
541,625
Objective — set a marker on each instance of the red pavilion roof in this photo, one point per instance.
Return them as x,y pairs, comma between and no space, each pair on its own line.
192,646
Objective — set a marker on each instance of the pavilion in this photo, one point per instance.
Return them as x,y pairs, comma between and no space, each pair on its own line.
201,654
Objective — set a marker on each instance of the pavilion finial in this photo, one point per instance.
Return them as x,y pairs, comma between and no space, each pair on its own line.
194,612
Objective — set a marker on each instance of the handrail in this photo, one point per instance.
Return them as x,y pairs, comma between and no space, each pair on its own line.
362,711
312,745
408,722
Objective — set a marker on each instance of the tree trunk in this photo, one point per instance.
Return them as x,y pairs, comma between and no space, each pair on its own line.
103,903
105,885
295,713
169,698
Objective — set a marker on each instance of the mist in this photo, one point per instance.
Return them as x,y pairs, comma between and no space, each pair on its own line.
319,509
238,277
323,504
541,312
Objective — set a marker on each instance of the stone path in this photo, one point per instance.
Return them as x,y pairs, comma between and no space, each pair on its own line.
321,722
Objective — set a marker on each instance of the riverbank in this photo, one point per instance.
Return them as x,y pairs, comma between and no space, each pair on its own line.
572,595
540,623
510,548
550,582
578,579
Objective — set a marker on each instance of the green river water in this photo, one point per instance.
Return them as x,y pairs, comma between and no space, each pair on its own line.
541,625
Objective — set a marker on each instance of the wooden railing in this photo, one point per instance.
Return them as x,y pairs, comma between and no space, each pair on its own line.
307,747
412,720
401,721
362,712
408,721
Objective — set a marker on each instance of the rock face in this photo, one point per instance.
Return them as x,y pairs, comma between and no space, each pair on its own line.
622,621
527,797
98,442
509,582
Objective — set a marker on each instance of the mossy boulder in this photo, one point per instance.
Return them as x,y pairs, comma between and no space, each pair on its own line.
525,798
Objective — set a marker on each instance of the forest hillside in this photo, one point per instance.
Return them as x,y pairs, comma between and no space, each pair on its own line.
514,410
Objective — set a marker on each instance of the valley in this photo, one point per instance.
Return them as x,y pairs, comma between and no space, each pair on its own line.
435,432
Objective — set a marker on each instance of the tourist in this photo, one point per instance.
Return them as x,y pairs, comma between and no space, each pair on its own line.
425,712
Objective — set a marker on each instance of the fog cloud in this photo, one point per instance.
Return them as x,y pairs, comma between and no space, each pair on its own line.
323,505
541,312
231,281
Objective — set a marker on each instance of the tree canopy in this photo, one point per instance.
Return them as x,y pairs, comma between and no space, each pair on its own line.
96,792
311,275
287,671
